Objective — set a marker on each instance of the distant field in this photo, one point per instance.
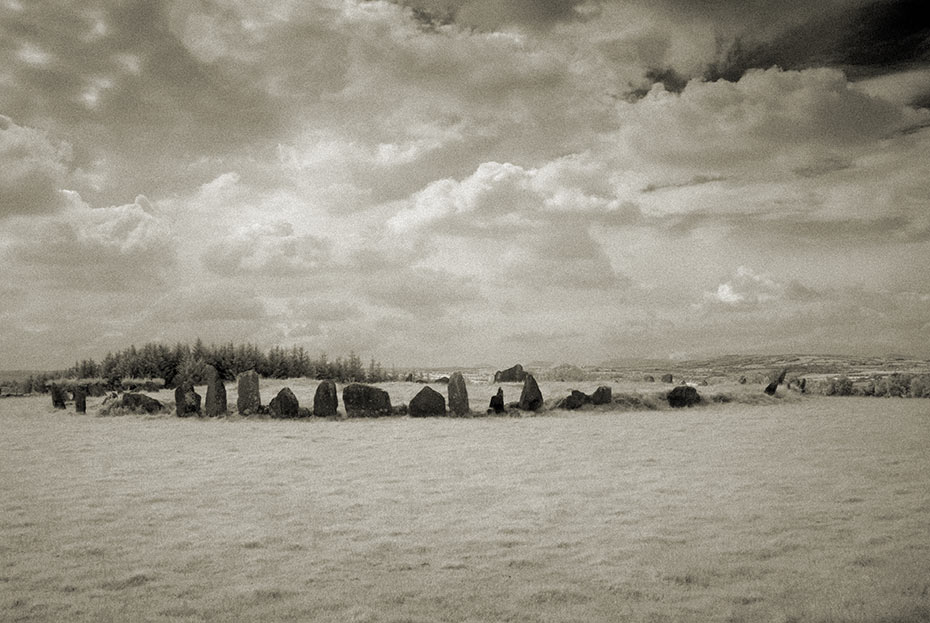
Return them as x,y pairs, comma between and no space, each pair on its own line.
809,509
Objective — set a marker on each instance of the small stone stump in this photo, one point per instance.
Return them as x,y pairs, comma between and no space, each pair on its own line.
428,402
325,400
458,394
575,400
248,399
603,395
80,399
284,405
215,402
497,402
186,400
531,398
58,396
140,403
365,401
683,396
668,378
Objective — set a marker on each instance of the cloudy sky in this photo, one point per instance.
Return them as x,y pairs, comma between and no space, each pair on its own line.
434,182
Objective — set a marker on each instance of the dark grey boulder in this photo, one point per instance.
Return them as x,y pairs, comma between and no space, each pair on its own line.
304,412
215,402
497,402
186,400
325,400
284,405
458,394
428,402
603,395
531,398
649,378
365,401
683,396
248,399
516,374
575,400
668,378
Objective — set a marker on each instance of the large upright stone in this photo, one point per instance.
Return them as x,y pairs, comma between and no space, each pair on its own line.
458,394
215,402
80,399
186,400
284,405
58,396
325,400
515,374
427,402
248,399
365,401
530,398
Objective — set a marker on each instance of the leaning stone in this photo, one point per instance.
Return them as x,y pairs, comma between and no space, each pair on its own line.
497,402
186,400
284,405
427,402
58,396
458,394
80,399
771,388
530,398
248,400
325,401
602,395
215,402
683,396
365,401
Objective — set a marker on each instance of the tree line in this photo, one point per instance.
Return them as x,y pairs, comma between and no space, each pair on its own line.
184,361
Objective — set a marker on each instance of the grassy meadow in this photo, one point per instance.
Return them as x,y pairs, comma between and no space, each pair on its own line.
798,509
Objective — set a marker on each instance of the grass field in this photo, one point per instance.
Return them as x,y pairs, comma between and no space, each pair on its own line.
812,509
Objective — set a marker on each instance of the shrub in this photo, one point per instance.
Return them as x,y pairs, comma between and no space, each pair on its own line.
920,386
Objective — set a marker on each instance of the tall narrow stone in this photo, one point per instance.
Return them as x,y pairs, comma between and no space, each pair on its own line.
80,399
497,402
458,394
325,400
215,402
248,400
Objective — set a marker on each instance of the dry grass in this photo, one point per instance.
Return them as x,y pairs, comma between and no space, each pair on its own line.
807,510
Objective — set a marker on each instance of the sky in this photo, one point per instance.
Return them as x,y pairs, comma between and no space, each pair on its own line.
467,182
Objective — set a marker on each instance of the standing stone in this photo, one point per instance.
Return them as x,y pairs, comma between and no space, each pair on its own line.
458,394
248,399
668,378
80,399
284,405
58,396
325,401
530,398
497,402
602,396
427,402
365,401
215,402
186,400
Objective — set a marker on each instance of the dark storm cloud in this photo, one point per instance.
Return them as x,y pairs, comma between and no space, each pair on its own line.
493,14
863,40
